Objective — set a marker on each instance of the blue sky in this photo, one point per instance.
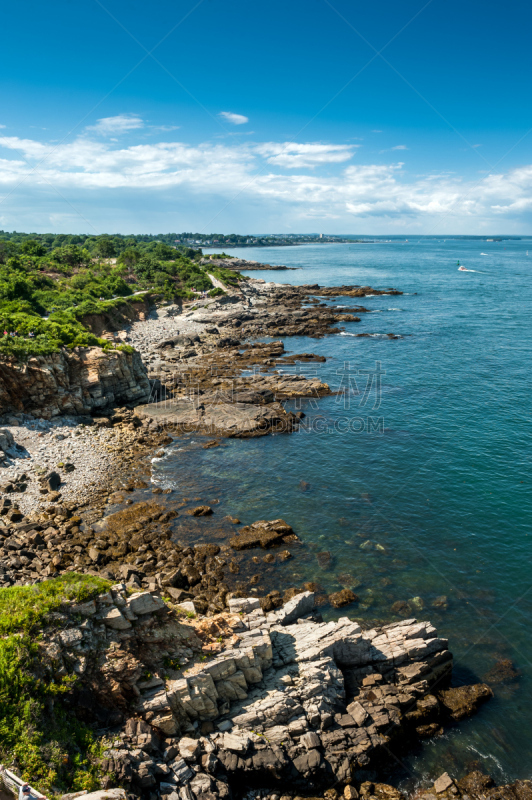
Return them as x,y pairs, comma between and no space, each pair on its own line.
299,116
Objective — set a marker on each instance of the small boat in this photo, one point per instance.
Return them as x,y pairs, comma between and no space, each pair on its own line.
462,269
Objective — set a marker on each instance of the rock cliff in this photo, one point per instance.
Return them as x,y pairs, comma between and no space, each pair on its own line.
73,381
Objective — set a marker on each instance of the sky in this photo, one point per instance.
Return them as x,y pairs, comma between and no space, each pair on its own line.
306,116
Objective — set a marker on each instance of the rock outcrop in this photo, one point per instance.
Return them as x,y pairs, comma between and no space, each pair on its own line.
215,388
238,264
304,701
474,786
289,701
213,417
72,381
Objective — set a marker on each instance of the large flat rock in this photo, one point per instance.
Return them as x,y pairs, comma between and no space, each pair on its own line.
218,418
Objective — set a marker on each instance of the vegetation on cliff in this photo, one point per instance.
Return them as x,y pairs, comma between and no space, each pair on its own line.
49,288
50,746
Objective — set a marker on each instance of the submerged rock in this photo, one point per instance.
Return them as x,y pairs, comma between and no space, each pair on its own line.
261,534
463,701
342,598
502,672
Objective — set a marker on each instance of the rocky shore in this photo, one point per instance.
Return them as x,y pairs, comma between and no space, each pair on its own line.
247,703
242,264
205,684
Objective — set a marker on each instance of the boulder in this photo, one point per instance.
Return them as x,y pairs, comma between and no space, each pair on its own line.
463,701
178,595
350,793
261,534
114,619
52,481
342,598
187,606
299,606
189,749
200,511
238,744
357,712
145,603
443,783
243,604
128,570
182,771
6,440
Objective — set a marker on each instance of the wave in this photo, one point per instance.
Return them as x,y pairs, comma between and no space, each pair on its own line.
491,757
360,336
379,335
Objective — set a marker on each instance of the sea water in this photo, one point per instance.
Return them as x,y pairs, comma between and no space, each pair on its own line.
415,479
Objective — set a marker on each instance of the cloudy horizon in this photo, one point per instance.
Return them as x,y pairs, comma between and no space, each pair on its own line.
335,136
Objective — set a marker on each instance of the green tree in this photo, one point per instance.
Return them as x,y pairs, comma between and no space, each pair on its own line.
71,254
32,247
106,247
7,250
164,252
129,257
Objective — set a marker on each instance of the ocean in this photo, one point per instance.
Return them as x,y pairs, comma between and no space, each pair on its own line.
414,480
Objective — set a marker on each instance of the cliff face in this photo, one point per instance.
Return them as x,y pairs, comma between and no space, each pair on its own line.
72,382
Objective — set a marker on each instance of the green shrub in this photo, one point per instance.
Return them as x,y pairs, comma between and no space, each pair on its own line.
227,276
37,727
22,349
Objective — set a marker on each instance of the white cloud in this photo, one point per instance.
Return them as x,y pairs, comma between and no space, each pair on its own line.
234,119
296,156
399,147
2,126
120,124
376,131
164,128
212,173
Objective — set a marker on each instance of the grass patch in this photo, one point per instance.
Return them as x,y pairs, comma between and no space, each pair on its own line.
54,750
24,608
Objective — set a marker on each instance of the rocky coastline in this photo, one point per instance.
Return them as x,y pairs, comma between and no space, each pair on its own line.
242,264
247,703
250,693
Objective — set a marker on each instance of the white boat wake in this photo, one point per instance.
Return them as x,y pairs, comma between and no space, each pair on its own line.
463,269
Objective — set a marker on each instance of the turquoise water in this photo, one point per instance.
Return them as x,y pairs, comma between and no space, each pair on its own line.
434,502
